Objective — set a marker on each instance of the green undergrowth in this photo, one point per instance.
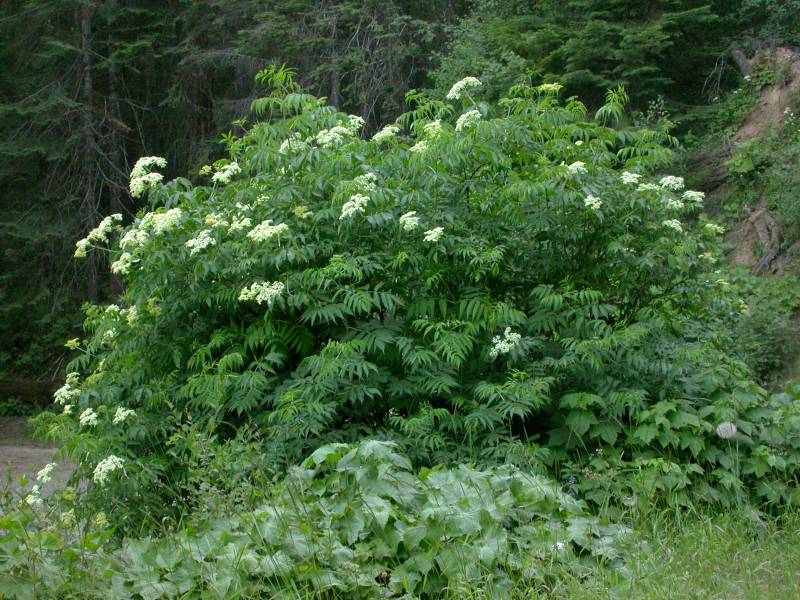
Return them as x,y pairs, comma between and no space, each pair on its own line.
350,519
766,329
388,533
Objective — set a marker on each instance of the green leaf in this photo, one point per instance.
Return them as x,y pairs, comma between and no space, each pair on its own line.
579,421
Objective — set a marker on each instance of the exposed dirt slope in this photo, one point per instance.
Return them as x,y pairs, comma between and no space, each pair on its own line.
769,112
756,237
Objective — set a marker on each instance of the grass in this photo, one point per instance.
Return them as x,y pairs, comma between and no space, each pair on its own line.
738,555
734,555
731,556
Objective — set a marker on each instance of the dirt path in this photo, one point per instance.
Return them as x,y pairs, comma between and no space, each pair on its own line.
22,455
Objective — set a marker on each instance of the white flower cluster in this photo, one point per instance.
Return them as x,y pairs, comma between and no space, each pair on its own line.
592,202
141,176
67,392
648,187
355,123
726,430
356,204
673,224
216,220
420,147
123,413
409,221
333,137
110,335
140,184
549,88
694,198
462,87
240,224
387,133
43,476
434,235
672,183
577,168
262,292
366,182
674,204
226,173
201,242
134,238
468,120
630,178
146,164
432,129
33,498
504,345
123,264
88,418
107,466
293,144
301,212
132,316
99,235
714,228
266,230
162,222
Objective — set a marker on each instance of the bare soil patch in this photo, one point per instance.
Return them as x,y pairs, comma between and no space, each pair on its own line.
21,455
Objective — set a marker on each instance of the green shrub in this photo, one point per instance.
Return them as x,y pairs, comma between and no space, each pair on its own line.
14,407
350,519
763,330
747,159
478,283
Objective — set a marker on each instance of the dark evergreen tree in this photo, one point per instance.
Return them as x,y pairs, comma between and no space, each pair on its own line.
90,85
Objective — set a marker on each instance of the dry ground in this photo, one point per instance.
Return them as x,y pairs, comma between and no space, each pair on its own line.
21,455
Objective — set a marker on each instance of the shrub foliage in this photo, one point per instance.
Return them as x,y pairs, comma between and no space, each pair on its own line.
476,283
352,519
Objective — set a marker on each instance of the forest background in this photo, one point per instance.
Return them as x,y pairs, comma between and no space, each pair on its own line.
89,86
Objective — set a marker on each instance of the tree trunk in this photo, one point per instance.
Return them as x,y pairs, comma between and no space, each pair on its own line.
88,206
742,62
116,155
768,232
335,98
